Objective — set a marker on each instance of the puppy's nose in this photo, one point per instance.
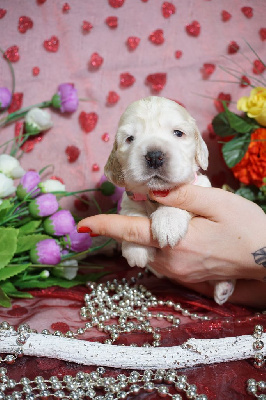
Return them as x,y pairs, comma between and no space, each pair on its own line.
154,159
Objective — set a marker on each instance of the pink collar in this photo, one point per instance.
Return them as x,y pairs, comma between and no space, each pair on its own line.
144,197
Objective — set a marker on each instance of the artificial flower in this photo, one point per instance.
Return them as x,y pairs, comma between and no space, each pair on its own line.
5,97
254,105
78,242
10,166
28,183
70,272
37,120
60,223
66,98
251,170
6,186
52,185
46,251
44,205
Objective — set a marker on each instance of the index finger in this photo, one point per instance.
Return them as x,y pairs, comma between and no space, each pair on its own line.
121,227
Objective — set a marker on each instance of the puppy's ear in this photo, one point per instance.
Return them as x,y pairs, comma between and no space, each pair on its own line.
202,152
113,170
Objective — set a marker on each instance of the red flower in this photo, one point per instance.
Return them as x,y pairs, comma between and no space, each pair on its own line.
252,168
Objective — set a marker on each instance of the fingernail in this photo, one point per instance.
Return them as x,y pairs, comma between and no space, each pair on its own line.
160,193
94,234
84,229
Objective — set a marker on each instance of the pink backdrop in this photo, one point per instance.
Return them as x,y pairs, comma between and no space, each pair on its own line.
186,80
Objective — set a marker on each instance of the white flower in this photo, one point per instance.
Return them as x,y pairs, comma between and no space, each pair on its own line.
52,185
38,120
6,186
10,166
69,271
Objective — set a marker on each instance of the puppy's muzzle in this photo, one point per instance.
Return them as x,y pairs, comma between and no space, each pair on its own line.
154,159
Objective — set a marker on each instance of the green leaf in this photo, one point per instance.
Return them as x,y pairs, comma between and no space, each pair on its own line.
221,125
5,206
25,243
7,272
30,227
235,149
54,281
4,299
246,192
237,123
8,244
10,290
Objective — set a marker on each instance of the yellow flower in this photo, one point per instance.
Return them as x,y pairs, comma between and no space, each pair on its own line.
254,105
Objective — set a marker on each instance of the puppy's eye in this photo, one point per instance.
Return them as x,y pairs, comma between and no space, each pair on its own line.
178,133
129,139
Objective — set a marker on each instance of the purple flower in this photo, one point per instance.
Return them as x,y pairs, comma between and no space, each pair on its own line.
66,98
78,242
43,205
59,224
5,97
46,252
28,183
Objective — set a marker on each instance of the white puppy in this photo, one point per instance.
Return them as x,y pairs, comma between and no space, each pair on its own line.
158,147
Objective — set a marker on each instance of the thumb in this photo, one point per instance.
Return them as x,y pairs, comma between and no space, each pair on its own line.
206,202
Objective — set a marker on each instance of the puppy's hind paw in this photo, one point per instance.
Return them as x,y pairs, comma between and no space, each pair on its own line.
137,255
223,290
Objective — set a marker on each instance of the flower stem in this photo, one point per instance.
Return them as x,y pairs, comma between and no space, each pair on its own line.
21,113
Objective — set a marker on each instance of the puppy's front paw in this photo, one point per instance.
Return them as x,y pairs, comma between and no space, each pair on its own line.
223,290
169,225
137,255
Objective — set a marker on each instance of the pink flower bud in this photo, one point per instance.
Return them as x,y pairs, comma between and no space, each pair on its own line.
59,224
78,242
28,183
46,252
43,205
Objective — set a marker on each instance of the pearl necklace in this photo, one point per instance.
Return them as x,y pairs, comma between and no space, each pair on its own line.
126,302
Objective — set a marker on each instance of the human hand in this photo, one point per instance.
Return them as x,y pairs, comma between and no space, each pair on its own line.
219,245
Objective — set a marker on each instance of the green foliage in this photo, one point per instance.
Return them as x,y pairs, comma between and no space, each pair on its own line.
235,149
30,227
27,242
8,245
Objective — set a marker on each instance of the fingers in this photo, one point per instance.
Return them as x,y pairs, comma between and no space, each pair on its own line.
120,227
202,201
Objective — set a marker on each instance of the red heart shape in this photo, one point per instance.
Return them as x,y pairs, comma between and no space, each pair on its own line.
72,153
112,98
88,121
24,23
96,60
2,13
226,16
262,33
222,97
247,11
168,9
193,29
207,70
112,22
156,37
233,47
116,3
52,44
126,80
133,42
12,54
16,103
157,81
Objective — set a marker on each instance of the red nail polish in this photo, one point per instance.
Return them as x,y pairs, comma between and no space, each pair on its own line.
94,234
84,229
161,193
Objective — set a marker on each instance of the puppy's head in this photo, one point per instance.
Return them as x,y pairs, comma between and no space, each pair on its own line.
157,146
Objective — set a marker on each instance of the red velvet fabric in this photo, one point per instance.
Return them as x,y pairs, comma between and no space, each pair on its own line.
58,309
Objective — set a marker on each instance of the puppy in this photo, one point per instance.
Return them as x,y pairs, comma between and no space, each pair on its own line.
158,147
